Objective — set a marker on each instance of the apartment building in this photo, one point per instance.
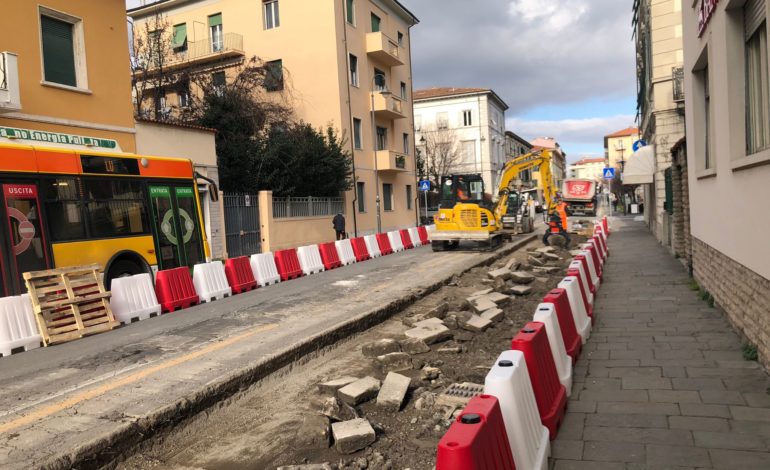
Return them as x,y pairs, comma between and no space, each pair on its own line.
516,146
464,127
63,79
341,62
618,147
660,100
587,168
728,158
558,162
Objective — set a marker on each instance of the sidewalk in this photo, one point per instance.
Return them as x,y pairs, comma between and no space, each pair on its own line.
662,382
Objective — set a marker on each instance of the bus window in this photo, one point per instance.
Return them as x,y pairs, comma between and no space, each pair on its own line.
188,221
63,208
116,208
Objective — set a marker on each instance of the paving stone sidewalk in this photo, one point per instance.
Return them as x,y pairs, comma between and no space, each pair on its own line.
661,383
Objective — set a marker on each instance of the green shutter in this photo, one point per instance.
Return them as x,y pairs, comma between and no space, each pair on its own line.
375,23
350,11
215,20
668,204
58,51
180,35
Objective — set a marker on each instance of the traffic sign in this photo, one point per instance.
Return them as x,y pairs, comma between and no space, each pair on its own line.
609,173
638,144
424,185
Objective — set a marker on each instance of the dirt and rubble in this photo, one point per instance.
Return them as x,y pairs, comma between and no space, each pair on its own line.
341,410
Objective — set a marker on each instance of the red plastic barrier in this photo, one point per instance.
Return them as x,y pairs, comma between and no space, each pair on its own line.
423,232
550,394
359,249
589,279
477,439
174,289
406,239
599,237
583,291
288,264
597,260
596,241
239,274
606,226
329,255
384,242
572,342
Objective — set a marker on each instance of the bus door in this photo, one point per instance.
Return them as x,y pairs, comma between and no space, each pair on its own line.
24,241
175,222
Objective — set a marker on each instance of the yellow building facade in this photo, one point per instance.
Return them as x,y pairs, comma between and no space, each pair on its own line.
618,146
341,62
63,70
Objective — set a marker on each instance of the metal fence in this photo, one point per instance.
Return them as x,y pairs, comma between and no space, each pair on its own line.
307,206
242,224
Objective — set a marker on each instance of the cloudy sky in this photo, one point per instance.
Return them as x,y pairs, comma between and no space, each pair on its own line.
565,67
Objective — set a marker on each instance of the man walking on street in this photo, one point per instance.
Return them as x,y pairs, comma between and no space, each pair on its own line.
339,225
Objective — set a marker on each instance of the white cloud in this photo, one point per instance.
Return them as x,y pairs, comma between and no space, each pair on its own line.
552,16
575,131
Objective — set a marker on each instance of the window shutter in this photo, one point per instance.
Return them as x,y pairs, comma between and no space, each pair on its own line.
180,35
753,16
58,51
215,20
668,204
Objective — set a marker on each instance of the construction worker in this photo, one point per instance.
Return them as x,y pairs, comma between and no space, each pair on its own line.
555,227
561,209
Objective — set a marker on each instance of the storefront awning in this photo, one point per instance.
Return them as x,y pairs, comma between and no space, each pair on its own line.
640,167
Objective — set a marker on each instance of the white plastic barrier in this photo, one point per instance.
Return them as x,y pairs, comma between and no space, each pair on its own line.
597,238
395,241
584,276
310,259
546,314
373,246
414,235
579,313
133,297
345,251
18,327
264,269
599,230
591,267
591,243
210,281
509,381
430,228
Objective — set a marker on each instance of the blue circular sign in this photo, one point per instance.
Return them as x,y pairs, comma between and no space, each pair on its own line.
638,144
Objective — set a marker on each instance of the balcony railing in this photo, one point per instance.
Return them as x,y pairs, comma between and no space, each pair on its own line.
388,160
677,75
384,49
388,106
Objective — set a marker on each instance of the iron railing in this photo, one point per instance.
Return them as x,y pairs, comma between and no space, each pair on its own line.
207,47
677,74
307,207
242,228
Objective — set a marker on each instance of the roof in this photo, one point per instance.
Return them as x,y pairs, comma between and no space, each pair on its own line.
515,136
629,131
587,160
176,124
446,92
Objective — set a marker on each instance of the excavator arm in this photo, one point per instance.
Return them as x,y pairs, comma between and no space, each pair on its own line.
540,159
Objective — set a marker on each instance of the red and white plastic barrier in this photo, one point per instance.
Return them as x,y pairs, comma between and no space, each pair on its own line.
395,241
571,286
18,327
588,263
239,275
414,235
572,340
175,290
422,231
210,281
264,269
359,249
133,298
329,255
372,246
383,241
546,315
287,263
310,260
509,382
575,270
345,250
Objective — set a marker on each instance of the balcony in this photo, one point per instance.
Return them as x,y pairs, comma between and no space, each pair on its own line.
388,160
229,46
388,106
10,99
383,49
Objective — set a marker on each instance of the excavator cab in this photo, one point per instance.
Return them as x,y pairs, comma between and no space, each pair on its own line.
462,189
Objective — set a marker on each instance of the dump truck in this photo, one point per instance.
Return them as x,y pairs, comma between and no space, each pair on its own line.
580,196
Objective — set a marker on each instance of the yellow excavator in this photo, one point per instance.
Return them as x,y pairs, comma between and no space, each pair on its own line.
471,217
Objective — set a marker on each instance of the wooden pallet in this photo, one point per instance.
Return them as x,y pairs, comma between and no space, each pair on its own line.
69,303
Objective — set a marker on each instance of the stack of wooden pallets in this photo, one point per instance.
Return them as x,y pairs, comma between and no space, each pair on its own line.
69,303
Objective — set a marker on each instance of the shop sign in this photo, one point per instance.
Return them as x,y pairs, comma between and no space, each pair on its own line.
706,9
56,138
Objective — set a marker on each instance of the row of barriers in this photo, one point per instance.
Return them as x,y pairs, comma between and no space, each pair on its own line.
137,297
525,392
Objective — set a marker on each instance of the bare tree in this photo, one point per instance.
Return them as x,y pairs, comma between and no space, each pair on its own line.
442,153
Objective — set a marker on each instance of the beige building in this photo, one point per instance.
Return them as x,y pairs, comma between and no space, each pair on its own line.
618,147
335,62
516,146
587,168
558,163
728,158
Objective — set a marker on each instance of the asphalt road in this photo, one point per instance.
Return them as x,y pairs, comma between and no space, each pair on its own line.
80,398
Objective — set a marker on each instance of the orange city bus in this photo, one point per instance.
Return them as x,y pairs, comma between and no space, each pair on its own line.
129,213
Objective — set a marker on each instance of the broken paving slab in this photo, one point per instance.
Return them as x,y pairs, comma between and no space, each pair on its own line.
308,466
520,290
482,304
414,346
338,410
498,298
394,362
512,264
502,273
430,334
427,322
359,391
332,386
534,261
546,249
493,315
475,324
552,256
380,347
535,254
430,373
393,391
522,277
352,436
479,293
314,433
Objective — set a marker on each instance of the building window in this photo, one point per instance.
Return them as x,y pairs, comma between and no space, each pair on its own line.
351,12
757,96
409,197
468,150
217,38
380,83
184,94
218,81
707,119
271,17
406,143
387,196
62,49
361,197
179,40
274,75
382,138
357,133
467,118
417,123
403,91
442,120
400,38
353,70
375,23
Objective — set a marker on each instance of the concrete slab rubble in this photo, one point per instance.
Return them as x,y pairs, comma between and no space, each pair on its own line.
359,391
393,391
351,436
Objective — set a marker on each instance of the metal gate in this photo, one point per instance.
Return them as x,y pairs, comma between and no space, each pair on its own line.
242,224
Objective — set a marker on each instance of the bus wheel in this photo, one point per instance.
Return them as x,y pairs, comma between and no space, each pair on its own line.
122,268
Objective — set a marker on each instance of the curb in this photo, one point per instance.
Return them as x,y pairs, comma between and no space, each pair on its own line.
106,451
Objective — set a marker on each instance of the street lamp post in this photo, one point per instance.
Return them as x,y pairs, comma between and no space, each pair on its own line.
385,92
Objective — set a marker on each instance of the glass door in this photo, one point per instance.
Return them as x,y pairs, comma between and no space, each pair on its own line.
23,233
175,221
